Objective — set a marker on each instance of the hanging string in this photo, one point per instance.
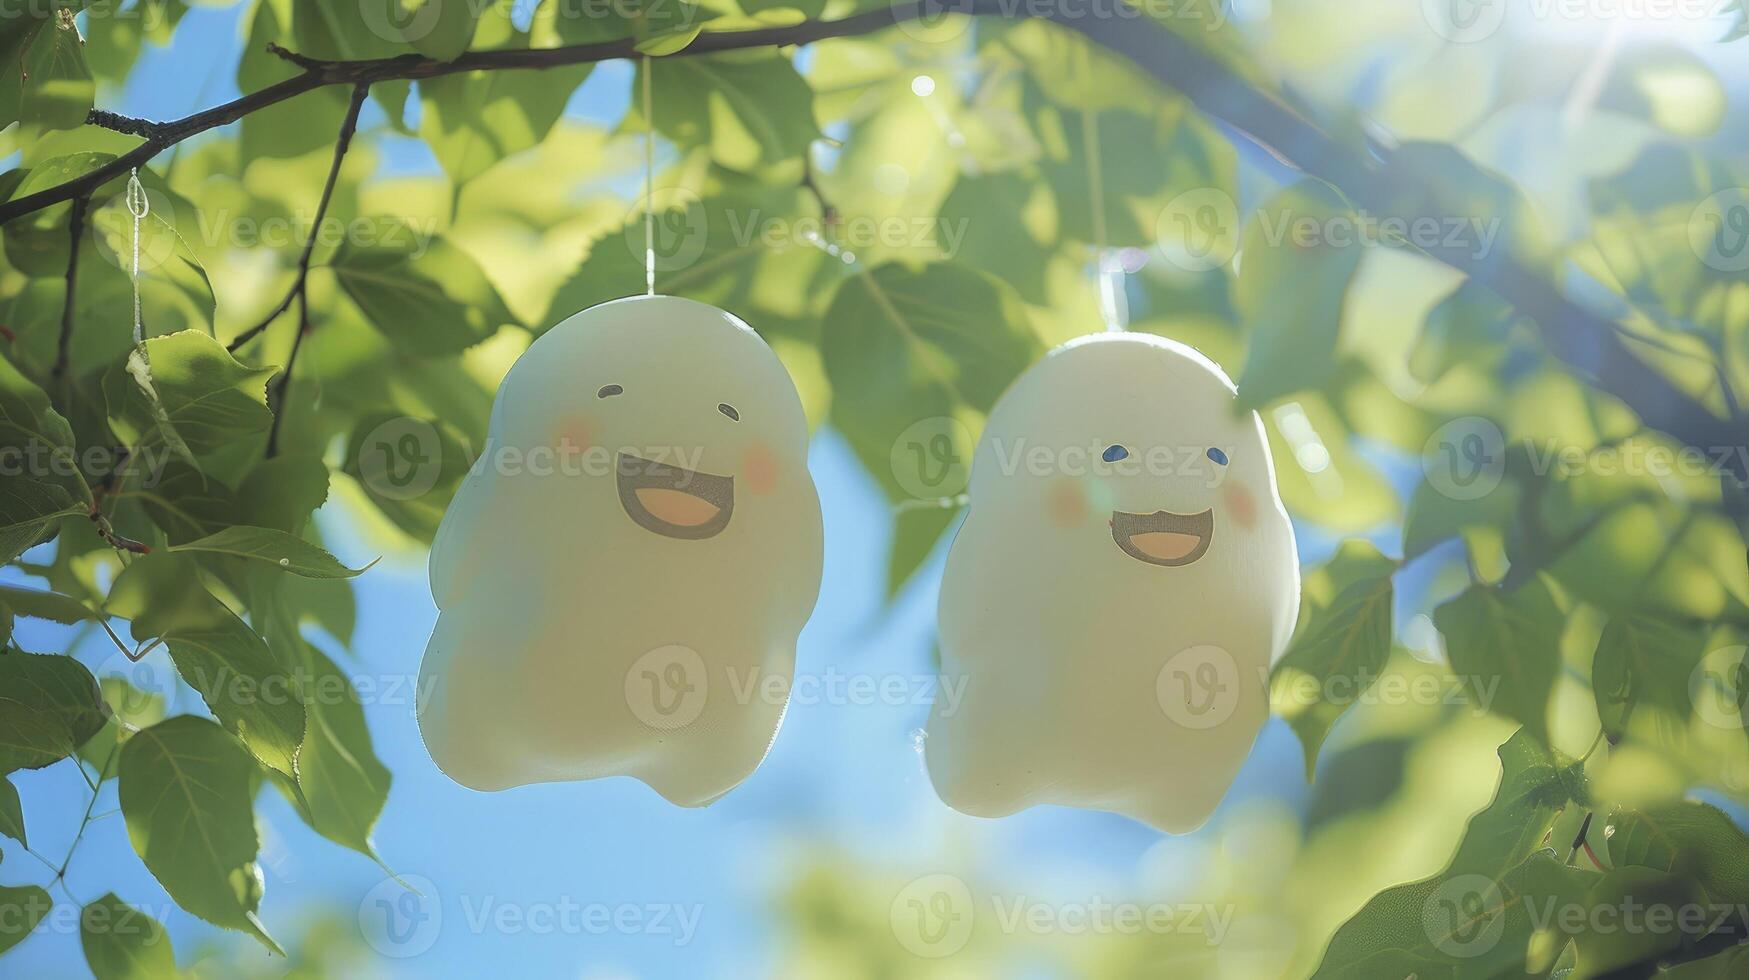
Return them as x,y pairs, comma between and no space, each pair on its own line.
139,207
649,187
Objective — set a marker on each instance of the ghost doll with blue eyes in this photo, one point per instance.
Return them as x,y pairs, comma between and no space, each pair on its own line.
622,576
1124,580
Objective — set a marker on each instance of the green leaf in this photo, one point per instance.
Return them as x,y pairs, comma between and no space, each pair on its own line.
439,29
751,108
474,119
1644,661
282,550
903,346
1695,840
1506,649
123,943
1434,516
431,303
200,399
21,910
49,706
31,429
52,606
130,709
342,786
1473,919
1342,643
185,794
248,689
1291,293
27,511
409,468
12,813
56,86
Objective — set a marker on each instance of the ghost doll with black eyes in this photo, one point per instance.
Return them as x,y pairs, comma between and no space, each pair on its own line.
1124,580
623,574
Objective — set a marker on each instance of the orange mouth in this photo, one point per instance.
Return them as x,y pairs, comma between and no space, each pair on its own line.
1163,538
673,501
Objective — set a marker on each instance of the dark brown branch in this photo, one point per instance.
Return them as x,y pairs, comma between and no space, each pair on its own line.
76,231
300,287
348,127
1587,342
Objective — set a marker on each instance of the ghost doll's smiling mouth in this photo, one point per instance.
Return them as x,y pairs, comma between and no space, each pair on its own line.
1163,538
674,501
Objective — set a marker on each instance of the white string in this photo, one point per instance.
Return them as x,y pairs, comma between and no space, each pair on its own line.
139,207
649,188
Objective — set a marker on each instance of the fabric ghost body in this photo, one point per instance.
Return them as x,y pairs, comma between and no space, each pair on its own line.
627,609
1128,676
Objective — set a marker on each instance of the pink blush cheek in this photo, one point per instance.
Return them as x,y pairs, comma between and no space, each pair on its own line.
759,468
573,434
1241,506
1066,504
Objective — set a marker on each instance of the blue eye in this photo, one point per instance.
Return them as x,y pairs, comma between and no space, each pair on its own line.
1115,453
1218,456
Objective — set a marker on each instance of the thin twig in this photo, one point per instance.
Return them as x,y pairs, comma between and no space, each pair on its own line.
348,127
300,288
75,232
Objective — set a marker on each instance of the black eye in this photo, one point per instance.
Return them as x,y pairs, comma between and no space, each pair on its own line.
729,410
608,391
1218,456
1115,453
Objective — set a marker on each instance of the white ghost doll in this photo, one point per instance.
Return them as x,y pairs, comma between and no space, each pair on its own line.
622,577
1124,579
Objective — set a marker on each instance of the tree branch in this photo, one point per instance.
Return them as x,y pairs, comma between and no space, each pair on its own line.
348,127
300,285
1584,340
76,231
